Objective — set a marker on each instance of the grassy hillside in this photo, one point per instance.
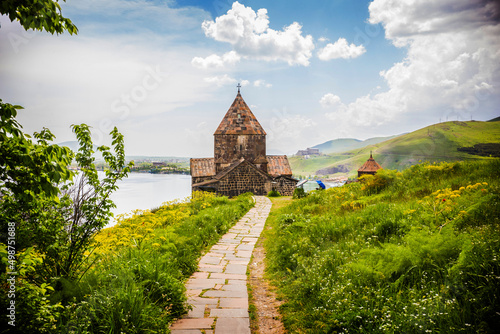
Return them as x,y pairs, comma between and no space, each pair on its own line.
435,143
410,252
346,144
307,167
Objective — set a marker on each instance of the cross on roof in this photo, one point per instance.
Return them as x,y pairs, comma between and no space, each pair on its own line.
239,86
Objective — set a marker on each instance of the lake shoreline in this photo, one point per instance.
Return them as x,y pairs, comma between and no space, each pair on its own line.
145,191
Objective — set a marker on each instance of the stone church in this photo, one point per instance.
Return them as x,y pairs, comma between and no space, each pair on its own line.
240,163
370,167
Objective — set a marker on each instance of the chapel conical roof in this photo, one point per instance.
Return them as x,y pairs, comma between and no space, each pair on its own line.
239,120
370,165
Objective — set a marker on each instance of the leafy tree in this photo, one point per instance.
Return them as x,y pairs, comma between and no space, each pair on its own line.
52,209
29,168
38,15
55,213
90,205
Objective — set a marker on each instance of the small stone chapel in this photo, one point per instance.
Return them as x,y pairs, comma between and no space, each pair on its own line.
240,163
370,167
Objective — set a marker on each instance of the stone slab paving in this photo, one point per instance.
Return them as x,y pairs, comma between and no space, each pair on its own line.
218,290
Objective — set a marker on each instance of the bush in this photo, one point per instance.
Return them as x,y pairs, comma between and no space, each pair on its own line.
373,184
299,193
273,193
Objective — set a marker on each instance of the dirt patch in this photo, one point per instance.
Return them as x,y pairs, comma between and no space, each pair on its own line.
268,319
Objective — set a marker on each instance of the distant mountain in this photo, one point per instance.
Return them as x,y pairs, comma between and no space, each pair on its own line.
438,142
496,119
346,144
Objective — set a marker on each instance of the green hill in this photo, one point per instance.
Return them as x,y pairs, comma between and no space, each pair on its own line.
346,144
438,142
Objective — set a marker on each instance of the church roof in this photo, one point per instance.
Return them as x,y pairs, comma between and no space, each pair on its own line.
239,120
370,165
202,167
278,165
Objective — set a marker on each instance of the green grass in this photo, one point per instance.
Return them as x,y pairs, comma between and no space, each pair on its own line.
435,143
402,252
137,282
280,202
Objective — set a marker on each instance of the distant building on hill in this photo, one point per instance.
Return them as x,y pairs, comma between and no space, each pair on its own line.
308,151
240,163
370,167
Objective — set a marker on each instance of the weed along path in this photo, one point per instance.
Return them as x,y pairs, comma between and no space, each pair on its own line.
218,290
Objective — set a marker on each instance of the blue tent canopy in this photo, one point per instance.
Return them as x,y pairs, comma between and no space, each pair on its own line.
321,184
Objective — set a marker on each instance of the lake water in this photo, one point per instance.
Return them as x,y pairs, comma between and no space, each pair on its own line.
146,191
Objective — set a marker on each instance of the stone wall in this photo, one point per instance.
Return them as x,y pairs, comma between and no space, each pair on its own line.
229,148
242,179
284,185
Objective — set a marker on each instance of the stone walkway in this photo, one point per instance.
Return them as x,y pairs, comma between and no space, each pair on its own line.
218,290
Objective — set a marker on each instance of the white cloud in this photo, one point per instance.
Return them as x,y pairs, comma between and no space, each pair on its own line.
249,34
341,49
329,100
220,80
244,83
363,112
406,19
102,80
261,83
286,131
197,136
215,61
451,65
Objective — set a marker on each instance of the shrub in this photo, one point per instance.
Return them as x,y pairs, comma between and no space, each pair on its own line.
273,193
299,193
373,184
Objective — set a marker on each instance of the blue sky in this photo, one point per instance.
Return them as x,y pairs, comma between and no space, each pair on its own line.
165,72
